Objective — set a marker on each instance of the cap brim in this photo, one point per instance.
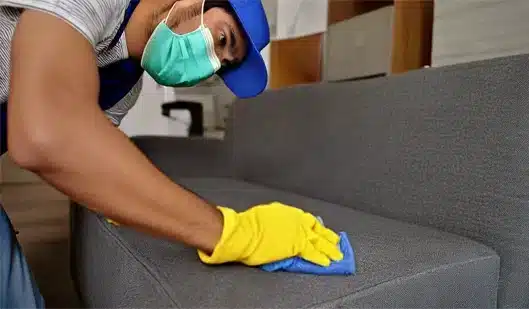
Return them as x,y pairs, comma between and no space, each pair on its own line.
249,78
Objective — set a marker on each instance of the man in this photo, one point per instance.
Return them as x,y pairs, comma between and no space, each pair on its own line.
70,70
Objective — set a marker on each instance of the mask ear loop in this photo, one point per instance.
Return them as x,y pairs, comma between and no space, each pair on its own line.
212,55
201,13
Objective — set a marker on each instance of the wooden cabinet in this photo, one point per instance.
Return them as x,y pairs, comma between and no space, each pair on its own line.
302,60
359,47
412,35
295,61
340,10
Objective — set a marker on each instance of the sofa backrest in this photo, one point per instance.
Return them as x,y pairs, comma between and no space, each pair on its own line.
444,147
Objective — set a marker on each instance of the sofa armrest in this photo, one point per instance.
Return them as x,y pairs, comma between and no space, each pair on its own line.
179,157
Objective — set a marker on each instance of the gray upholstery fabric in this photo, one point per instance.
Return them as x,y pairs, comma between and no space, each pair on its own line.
187,157
399,265
444,147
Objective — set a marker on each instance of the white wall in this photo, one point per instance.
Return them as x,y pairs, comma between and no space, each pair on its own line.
145,118
469,30
296,18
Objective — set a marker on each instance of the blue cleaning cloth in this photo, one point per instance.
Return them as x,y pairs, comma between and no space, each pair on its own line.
345,267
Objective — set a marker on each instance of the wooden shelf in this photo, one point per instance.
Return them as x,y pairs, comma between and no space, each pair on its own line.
412,35
295,61
340,10
298,61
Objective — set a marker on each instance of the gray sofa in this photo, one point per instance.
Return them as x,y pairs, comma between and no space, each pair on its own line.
427,171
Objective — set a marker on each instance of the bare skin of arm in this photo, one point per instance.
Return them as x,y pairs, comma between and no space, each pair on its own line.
57,130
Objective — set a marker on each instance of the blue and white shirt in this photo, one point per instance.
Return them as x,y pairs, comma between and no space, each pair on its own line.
98,21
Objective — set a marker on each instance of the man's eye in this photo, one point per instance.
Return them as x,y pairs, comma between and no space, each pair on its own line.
222,40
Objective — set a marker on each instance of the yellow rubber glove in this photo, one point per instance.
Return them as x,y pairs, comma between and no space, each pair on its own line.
112,222
272,232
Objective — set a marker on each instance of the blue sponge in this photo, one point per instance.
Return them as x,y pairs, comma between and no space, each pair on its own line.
345,267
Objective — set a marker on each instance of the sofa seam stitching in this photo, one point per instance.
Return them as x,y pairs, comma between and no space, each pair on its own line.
128,251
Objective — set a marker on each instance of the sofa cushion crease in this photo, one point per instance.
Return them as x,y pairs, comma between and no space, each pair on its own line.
121,278
142,262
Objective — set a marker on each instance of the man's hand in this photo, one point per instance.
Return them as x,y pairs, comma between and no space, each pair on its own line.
57,130
273,232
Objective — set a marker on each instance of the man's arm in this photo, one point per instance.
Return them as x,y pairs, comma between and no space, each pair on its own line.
57,130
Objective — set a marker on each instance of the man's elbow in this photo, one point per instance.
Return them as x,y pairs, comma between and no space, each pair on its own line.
34,148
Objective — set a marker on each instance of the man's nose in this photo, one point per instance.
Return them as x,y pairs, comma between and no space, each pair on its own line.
226,57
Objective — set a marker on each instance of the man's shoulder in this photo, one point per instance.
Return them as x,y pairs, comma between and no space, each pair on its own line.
93,18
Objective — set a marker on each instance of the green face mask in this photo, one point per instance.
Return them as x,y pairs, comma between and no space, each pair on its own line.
180,60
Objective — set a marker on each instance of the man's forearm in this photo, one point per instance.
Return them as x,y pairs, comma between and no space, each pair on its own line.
103,170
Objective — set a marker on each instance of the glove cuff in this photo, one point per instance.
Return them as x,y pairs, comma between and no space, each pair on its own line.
231,244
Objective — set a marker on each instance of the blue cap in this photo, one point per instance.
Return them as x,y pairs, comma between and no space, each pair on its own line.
250,77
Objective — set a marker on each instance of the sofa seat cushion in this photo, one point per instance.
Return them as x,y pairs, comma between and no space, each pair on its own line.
398,264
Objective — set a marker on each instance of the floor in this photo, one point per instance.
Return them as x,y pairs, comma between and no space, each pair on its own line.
40,215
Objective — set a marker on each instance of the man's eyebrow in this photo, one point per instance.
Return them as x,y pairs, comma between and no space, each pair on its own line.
233,44
233,37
